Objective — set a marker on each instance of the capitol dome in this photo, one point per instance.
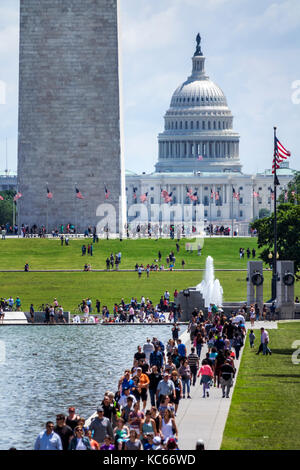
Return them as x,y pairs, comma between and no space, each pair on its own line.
198,133
194,93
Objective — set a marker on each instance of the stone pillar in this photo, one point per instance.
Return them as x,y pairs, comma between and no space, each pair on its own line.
285,289
255,283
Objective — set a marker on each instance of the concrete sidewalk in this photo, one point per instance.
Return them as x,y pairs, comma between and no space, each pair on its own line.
205,418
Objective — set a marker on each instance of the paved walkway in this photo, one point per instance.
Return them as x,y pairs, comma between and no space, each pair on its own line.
205,418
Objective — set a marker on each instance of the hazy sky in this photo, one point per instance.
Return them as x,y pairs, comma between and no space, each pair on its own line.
252,51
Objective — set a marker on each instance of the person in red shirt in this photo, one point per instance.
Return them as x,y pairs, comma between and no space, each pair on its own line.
206,377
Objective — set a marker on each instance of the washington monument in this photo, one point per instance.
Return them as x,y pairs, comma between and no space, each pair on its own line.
69,113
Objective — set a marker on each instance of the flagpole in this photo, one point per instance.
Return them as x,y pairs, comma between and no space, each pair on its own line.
76,233
232,210
274,277
14,219
210,225
47,214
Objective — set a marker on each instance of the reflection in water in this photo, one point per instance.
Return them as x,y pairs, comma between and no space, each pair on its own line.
48,369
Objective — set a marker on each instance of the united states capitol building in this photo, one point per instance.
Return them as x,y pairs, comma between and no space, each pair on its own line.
198,151
198,154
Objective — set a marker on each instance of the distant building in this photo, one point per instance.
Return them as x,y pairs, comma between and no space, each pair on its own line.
8,181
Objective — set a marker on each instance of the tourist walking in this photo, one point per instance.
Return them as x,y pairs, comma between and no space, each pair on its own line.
206,377
133,443
264,343
63,430
80,441
251,338
237,344
226,377
72,418
48,439
101,426
165,387
185,373
178,390
154,378
168,427
121,433
193,361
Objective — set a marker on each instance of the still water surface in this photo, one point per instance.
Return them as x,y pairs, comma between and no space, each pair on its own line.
47,369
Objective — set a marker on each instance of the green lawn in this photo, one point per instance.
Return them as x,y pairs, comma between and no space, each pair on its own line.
70,288
49,254
264,413
110,287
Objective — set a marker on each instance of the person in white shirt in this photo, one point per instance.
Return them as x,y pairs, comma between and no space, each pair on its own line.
264,341
147,349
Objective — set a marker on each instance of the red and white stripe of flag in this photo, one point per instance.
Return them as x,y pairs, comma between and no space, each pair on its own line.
49,194
1,198
78,194
107,193
281,154
143,197
17,196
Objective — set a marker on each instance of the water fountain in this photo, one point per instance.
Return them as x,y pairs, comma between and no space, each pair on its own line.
210,287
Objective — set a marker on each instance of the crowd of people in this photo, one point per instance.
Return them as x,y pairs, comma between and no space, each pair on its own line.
141,413
143,311
248,252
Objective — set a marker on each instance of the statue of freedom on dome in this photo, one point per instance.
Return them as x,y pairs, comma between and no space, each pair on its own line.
198,48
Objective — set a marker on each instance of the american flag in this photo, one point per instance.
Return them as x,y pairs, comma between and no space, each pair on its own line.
17,196
49,194
78,194
107,193
1,198
200,158
255,194
134,192
217,196
280,154
194,197
189,192
285,195
166,196
143,197
272,194
293,193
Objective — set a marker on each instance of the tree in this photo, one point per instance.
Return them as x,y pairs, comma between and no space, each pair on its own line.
292,190
288,230
263,213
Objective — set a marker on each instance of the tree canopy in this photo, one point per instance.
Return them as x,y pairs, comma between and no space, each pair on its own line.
6,207
288,230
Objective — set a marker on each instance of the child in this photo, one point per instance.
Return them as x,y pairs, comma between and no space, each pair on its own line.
251,338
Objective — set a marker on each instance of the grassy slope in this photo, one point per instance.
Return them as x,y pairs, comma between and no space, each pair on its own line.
264,413
71,288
